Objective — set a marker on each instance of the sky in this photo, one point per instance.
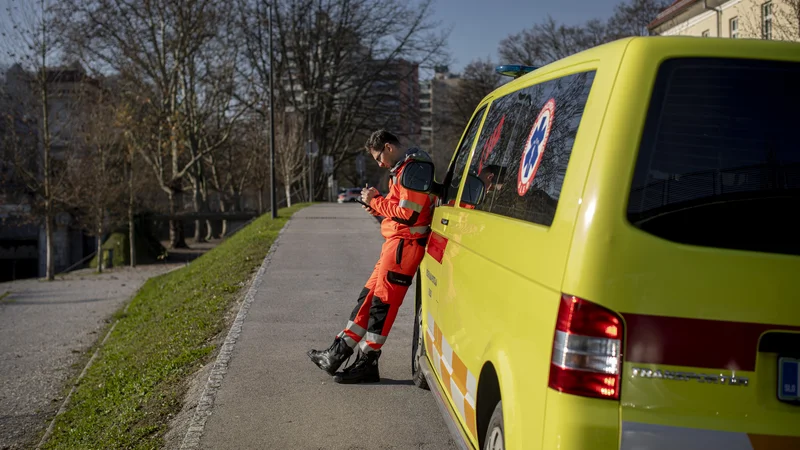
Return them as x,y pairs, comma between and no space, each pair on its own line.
478,26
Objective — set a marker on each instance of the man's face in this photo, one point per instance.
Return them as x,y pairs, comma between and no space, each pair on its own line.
382,155
487,178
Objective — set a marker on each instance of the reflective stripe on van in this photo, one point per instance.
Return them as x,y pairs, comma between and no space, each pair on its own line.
460,383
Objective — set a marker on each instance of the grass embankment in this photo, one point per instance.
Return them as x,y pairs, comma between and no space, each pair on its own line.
135,385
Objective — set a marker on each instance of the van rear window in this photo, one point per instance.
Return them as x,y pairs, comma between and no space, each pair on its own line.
719,162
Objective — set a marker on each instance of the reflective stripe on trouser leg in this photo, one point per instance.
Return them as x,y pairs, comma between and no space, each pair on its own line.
380,314
354,330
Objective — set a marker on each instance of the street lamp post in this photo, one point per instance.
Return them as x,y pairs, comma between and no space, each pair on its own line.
273,200
309,148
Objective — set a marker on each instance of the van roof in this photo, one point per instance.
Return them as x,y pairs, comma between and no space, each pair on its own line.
674,44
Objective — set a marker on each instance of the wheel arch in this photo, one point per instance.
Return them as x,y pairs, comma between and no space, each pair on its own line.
488,396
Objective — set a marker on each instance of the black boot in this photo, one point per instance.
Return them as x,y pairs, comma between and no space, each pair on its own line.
329,360
364,370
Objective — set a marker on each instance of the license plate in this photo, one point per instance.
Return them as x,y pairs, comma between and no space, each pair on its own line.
788,379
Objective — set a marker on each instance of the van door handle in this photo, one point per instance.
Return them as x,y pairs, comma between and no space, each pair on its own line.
445,221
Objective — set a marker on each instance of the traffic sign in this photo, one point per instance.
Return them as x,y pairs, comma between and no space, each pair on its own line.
312,149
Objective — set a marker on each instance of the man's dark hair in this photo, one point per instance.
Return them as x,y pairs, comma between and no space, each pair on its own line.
499,172
380,138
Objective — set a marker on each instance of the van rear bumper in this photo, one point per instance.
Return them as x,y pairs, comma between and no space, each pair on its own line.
661,437
573,423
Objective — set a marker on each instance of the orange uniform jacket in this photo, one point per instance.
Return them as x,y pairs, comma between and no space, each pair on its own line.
408,213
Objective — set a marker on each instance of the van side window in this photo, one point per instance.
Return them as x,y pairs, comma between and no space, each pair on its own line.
719,161
525,145
453,178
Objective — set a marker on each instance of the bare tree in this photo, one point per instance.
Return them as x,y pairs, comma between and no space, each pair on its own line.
130,162
477,81
93,188
211,108
331,59
789,20
155,45
549,41
140,131
785,23
632,17
235,164
542,43
29,41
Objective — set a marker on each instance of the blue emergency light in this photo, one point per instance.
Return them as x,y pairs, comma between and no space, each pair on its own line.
514,70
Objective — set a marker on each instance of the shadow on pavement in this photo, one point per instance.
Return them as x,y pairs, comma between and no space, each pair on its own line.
391,382
20,299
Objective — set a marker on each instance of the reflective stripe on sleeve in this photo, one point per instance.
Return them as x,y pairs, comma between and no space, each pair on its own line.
416,207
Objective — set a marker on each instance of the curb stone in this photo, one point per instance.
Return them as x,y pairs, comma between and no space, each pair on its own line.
206,403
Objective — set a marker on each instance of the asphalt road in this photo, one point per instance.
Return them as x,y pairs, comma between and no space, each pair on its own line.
273,397
44,329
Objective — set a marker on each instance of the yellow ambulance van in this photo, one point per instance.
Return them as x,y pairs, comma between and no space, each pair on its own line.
615,260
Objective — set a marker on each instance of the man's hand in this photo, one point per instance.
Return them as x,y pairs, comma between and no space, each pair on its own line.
369,210
367,194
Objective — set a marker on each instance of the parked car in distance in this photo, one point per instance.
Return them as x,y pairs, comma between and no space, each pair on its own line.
349,195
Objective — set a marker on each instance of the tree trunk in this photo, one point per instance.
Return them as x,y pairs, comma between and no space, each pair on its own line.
209,224
48,238
176,237
209,230
260,201
303,185
237,201
48,188
288,190
197,202
222,208
100,261
131,229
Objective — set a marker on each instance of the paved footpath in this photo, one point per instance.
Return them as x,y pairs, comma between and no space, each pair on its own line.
44,328
273,397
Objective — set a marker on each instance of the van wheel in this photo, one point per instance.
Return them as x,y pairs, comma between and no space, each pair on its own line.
495,433
418,351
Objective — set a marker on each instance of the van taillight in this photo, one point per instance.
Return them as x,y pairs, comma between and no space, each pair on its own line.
587,346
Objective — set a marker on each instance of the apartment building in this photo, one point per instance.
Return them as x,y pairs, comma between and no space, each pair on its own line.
736,19
438,135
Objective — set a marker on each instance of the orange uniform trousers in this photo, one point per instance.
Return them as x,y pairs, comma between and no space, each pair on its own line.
379,301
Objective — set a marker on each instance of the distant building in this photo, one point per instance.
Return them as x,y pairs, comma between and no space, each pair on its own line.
736,19
438,136
397,95
22,236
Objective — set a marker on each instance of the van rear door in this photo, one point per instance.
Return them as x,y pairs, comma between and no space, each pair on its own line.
707,267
